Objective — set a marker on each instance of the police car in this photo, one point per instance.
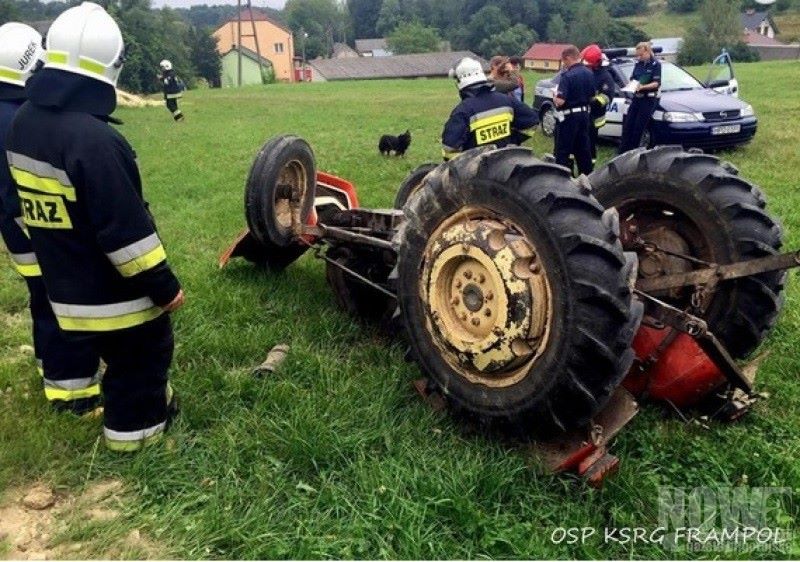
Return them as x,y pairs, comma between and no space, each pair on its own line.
690,113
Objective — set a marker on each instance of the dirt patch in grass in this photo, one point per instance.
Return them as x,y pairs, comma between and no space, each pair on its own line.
34,521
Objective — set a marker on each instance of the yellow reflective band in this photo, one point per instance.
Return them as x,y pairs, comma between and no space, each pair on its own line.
68,395
143,263
599,122
108,324
10,74
58,57
44,211
174,96
92,66
29,270
42,184
491,120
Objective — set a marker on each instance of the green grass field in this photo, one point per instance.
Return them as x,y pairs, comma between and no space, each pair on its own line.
334,455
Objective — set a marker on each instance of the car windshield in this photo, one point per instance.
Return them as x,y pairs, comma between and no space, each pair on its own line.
673,78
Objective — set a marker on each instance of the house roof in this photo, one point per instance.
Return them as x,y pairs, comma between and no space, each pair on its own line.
545,51
751,19
754,38
344,50
366,45
258,15
398,66
250,54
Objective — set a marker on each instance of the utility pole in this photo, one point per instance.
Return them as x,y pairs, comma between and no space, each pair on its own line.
239,42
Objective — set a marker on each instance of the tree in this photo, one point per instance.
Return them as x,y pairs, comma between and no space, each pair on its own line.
512,41
8,11
718,27
622,8
413,38
204,56
323,20
590,24
364,15
485,23
623,34
557,29
682,6
392,14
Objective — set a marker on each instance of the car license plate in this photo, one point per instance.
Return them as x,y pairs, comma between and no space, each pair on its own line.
726,129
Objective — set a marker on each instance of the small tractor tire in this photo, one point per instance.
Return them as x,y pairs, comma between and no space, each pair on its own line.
514,291
412,182
692,204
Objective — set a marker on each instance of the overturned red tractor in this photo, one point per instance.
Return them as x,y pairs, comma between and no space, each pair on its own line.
527,297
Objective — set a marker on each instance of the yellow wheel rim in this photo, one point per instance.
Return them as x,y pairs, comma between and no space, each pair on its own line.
489,305
292,179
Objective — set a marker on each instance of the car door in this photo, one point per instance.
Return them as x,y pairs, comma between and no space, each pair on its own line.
721,77
617,108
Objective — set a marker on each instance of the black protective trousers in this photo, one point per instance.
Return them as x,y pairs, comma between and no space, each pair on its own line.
572,138
172,105
636,121
69,368
136,377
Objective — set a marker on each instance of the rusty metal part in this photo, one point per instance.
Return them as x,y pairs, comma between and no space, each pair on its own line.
488,300
275,357
292,182
344,235
720,272
698,329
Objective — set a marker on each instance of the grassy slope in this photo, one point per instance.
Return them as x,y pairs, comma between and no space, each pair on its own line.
335,456
789,27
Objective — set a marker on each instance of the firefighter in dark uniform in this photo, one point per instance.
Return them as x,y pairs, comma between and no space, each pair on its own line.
647,74
575,92
69,370
172,89
484,115
101,259
604,85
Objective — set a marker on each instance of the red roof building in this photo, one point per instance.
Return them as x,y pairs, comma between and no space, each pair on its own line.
544,56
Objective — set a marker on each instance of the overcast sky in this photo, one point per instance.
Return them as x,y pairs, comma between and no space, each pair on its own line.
186,3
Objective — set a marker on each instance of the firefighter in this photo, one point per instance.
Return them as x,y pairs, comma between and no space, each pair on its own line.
484,115
172,89
101,258
597,62
647,76
575,92
69,370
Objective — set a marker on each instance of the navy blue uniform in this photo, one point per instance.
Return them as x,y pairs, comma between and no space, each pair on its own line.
172,92
642,106
576,88
69,369
605,87
101,258
485,116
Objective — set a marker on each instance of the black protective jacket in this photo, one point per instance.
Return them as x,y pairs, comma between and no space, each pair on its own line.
81,199
171,86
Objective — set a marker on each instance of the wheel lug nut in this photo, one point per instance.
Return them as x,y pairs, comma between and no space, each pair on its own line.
463,316
481,278
455,301
489,296
476,321
487,312
468,274
458,284
535,268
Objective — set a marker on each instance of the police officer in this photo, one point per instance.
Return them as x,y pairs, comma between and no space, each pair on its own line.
604,85
69,370
484,115
647,74
575,92
101,259
172,89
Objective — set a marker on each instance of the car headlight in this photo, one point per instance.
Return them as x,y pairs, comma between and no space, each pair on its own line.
681,117
545,92
747,111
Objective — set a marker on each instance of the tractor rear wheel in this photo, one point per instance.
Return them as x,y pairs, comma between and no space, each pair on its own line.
412,182
674,203
514,291
279,195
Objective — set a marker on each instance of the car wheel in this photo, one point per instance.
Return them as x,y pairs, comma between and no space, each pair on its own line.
548,119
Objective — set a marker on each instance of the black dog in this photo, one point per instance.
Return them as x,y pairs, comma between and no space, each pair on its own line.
399,144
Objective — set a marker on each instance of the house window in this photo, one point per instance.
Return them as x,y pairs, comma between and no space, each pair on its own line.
278,47
547,64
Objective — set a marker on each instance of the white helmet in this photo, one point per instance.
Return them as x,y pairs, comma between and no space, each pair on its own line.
165,65
86,40
20,52
468,72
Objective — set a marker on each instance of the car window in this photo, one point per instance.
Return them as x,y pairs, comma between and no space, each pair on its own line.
673,77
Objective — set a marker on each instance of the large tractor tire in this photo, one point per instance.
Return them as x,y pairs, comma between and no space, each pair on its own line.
514,291
412,182
284,169
692,204
352,295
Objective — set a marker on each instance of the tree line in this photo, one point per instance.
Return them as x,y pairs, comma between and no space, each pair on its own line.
150,36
